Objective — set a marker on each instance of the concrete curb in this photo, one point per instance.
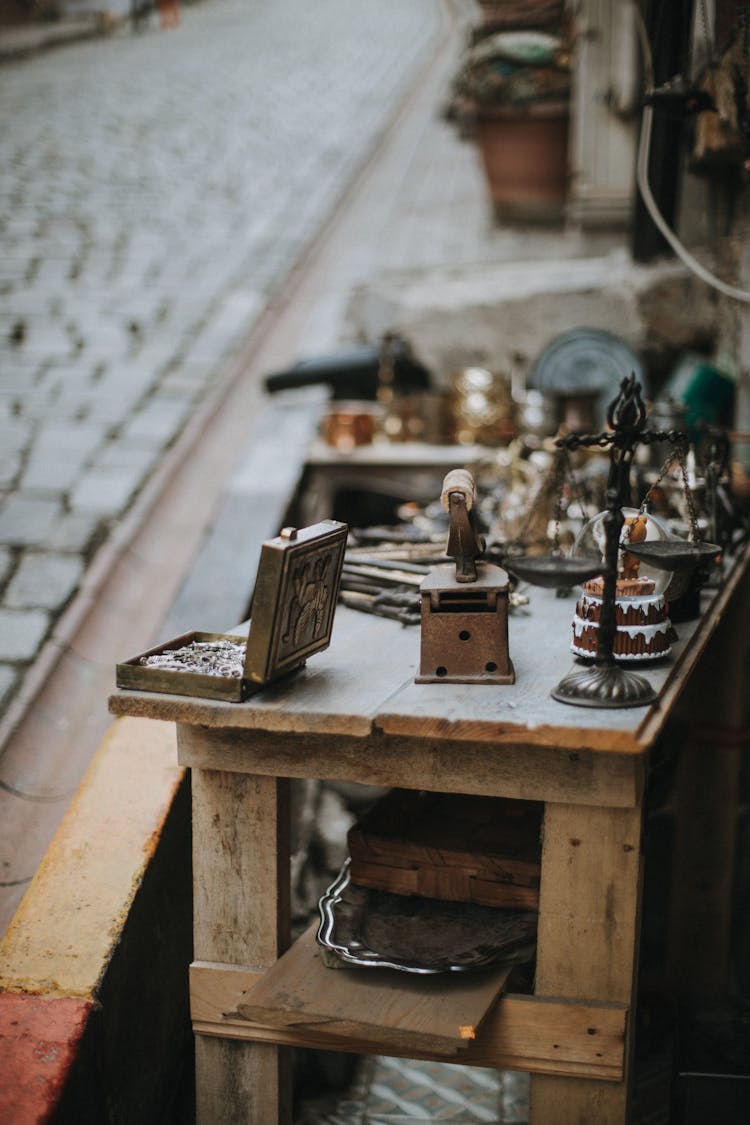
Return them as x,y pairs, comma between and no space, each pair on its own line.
93,988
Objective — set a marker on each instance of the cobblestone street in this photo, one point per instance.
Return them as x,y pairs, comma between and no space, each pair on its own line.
156,188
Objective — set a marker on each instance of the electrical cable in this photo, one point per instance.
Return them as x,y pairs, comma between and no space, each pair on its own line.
644,187
651,206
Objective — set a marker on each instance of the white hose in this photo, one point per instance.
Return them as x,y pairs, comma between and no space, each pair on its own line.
651,206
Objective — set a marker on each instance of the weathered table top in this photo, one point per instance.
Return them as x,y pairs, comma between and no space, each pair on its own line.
364,683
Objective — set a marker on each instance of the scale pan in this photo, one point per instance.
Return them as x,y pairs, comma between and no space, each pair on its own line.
673,554
554,570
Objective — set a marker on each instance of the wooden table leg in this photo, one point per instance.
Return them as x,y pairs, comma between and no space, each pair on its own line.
240,916
588,941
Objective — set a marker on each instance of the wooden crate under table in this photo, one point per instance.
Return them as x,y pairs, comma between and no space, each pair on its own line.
461,848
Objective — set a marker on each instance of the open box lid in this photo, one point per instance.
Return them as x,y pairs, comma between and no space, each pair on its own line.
294,599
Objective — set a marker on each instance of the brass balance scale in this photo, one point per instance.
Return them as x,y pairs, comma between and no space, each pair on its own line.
604,682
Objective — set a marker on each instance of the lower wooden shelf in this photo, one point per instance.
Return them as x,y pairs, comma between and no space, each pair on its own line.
453,1017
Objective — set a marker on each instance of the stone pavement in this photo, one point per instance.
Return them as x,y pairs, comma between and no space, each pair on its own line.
156,189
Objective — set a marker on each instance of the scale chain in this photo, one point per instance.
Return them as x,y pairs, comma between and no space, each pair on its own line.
679,456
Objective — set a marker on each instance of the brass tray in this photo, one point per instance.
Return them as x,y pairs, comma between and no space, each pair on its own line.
377,929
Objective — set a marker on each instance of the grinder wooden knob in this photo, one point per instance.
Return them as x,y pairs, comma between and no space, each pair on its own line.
458,480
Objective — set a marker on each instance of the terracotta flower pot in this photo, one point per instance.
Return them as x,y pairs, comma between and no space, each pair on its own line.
524,153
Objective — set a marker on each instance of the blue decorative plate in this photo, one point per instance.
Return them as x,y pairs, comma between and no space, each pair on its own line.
586,360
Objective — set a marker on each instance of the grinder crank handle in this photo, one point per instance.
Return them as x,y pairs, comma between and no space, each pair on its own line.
464,545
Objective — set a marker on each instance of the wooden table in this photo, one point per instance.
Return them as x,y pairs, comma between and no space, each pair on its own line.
355,714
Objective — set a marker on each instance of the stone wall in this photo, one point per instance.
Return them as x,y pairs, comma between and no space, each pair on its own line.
503,317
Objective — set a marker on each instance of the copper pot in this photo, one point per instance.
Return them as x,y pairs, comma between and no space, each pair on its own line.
349,424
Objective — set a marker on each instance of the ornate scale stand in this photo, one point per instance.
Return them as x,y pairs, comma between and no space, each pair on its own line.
605,683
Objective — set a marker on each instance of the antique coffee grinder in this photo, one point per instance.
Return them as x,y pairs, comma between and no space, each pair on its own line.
464,614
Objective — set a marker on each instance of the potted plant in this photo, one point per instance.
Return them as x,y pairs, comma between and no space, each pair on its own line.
512,90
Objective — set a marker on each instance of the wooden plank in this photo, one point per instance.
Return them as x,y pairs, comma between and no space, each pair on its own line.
446,883
240,867
445,766
728,603
499,839
548,1036
588,902
703,868
217,990
437,1012
587,938
558,1098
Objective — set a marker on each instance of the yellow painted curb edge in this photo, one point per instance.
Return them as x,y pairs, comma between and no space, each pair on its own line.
67,926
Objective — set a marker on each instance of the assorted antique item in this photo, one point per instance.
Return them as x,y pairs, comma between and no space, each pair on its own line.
358,373
443,887
482,407
658,561
586,362
378,392
464,614
621,614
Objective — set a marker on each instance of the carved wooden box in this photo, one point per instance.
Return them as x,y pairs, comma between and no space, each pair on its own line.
294,602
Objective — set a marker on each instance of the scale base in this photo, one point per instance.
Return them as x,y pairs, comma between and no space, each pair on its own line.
604,685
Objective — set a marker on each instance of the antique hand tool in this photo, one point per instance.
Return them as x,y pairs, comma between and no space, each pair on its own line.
464,614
